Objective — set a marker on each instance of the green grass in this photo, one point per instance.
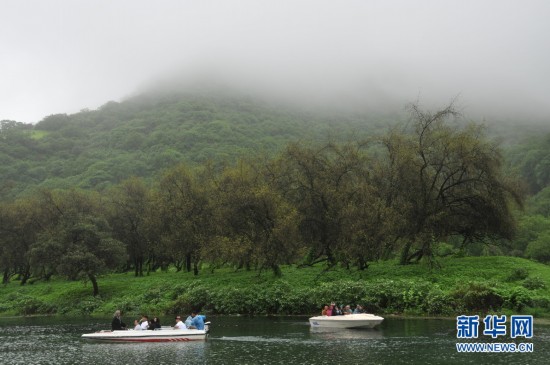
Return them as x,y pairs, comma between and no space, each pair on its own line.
458,285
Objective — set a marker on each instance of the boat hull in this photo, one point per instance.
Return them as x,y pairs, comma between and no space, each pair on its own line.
161,335
362,320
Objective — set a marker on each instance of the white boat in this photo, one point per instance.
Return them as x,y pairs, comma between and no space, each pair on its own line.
164,334
361,320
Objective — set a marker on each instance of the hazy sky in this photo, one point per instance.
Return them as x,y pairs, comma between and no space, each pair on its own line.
61,56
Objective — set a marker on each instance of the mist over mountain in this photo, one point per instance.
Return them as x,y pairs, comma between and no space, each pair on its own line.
150,132
373,56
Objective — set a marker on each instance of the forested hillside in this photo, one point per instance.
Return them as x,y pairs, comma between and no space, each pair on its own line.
146,134
179,181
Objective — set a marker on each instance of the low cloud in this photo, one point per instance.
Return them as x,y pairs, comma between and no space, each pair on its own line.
65,56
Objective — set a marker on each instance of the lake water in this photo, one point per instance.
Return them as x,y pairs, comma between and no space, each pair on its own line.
259,340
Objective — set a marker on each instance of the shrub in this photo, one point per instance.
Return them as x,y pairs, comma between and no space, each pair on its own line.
437,302
539,249
194,298
476,296
415,293
518,274
541,302
282,298
236,300
28,306
88,305
517,299
384,295
534,283
444,249
395,295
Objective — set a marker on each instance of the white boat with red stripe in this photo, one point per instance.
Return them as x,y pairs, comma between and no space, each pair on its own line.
164,334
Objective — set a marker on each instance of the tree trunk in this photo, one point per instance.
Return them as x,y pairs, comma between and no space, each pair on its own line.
188,262
362,263
138,263
276,270
6,278
26,275
330,257
94,284
405,253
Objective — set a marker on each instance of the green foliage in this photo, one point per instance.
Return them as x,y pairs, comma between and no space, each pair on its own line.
437,302
24,305
532,159
387,289
476,296
82,307
517,299
539,249
444,249
519,273
146,134
534,283
348,203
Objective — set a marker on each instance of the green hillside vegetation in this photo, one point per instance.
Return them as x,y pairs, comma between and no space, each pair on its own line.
462,285
233,197
149,133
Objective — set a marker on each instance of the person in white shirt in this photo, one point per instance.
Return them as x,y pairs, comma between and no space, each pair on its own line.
144,322
179,324
137,326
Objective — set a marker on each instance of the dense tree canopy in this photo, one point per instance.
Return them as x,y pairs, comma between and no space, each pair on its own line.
153,183
76,240
146,134
447,181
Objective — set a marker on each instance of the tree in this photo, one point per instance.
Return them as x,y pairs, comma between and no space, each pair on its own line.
540,203
77,242
259,225
539,249
20,223
532,159
530,229
445,181
183,214
129,213
323,183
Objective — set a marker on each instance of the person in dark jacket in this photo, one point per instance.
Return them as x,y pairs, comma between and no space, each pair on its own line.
154,324
117,324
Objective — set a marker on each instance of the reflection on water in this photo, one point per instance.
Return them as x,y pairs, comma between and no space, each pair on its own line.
144,353
243,340
350,334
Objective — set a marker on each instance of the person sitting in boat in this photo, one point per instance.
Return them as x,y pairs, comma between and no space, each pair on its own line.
154,324
330,309
358,309
347,310
137,325
144,322
188,321
179,324
198,321
324,311
336,311
116,323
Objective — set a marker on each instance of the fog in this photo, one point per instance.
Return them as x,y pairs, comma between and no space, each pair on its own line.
493,55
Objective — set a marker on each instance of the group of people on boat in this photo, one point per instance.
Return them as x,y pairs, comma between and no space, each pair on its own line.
334,310
194,321
145,324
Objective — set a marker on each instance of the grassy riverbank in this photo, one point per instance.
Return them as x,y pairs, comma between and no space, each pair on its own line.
461,285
